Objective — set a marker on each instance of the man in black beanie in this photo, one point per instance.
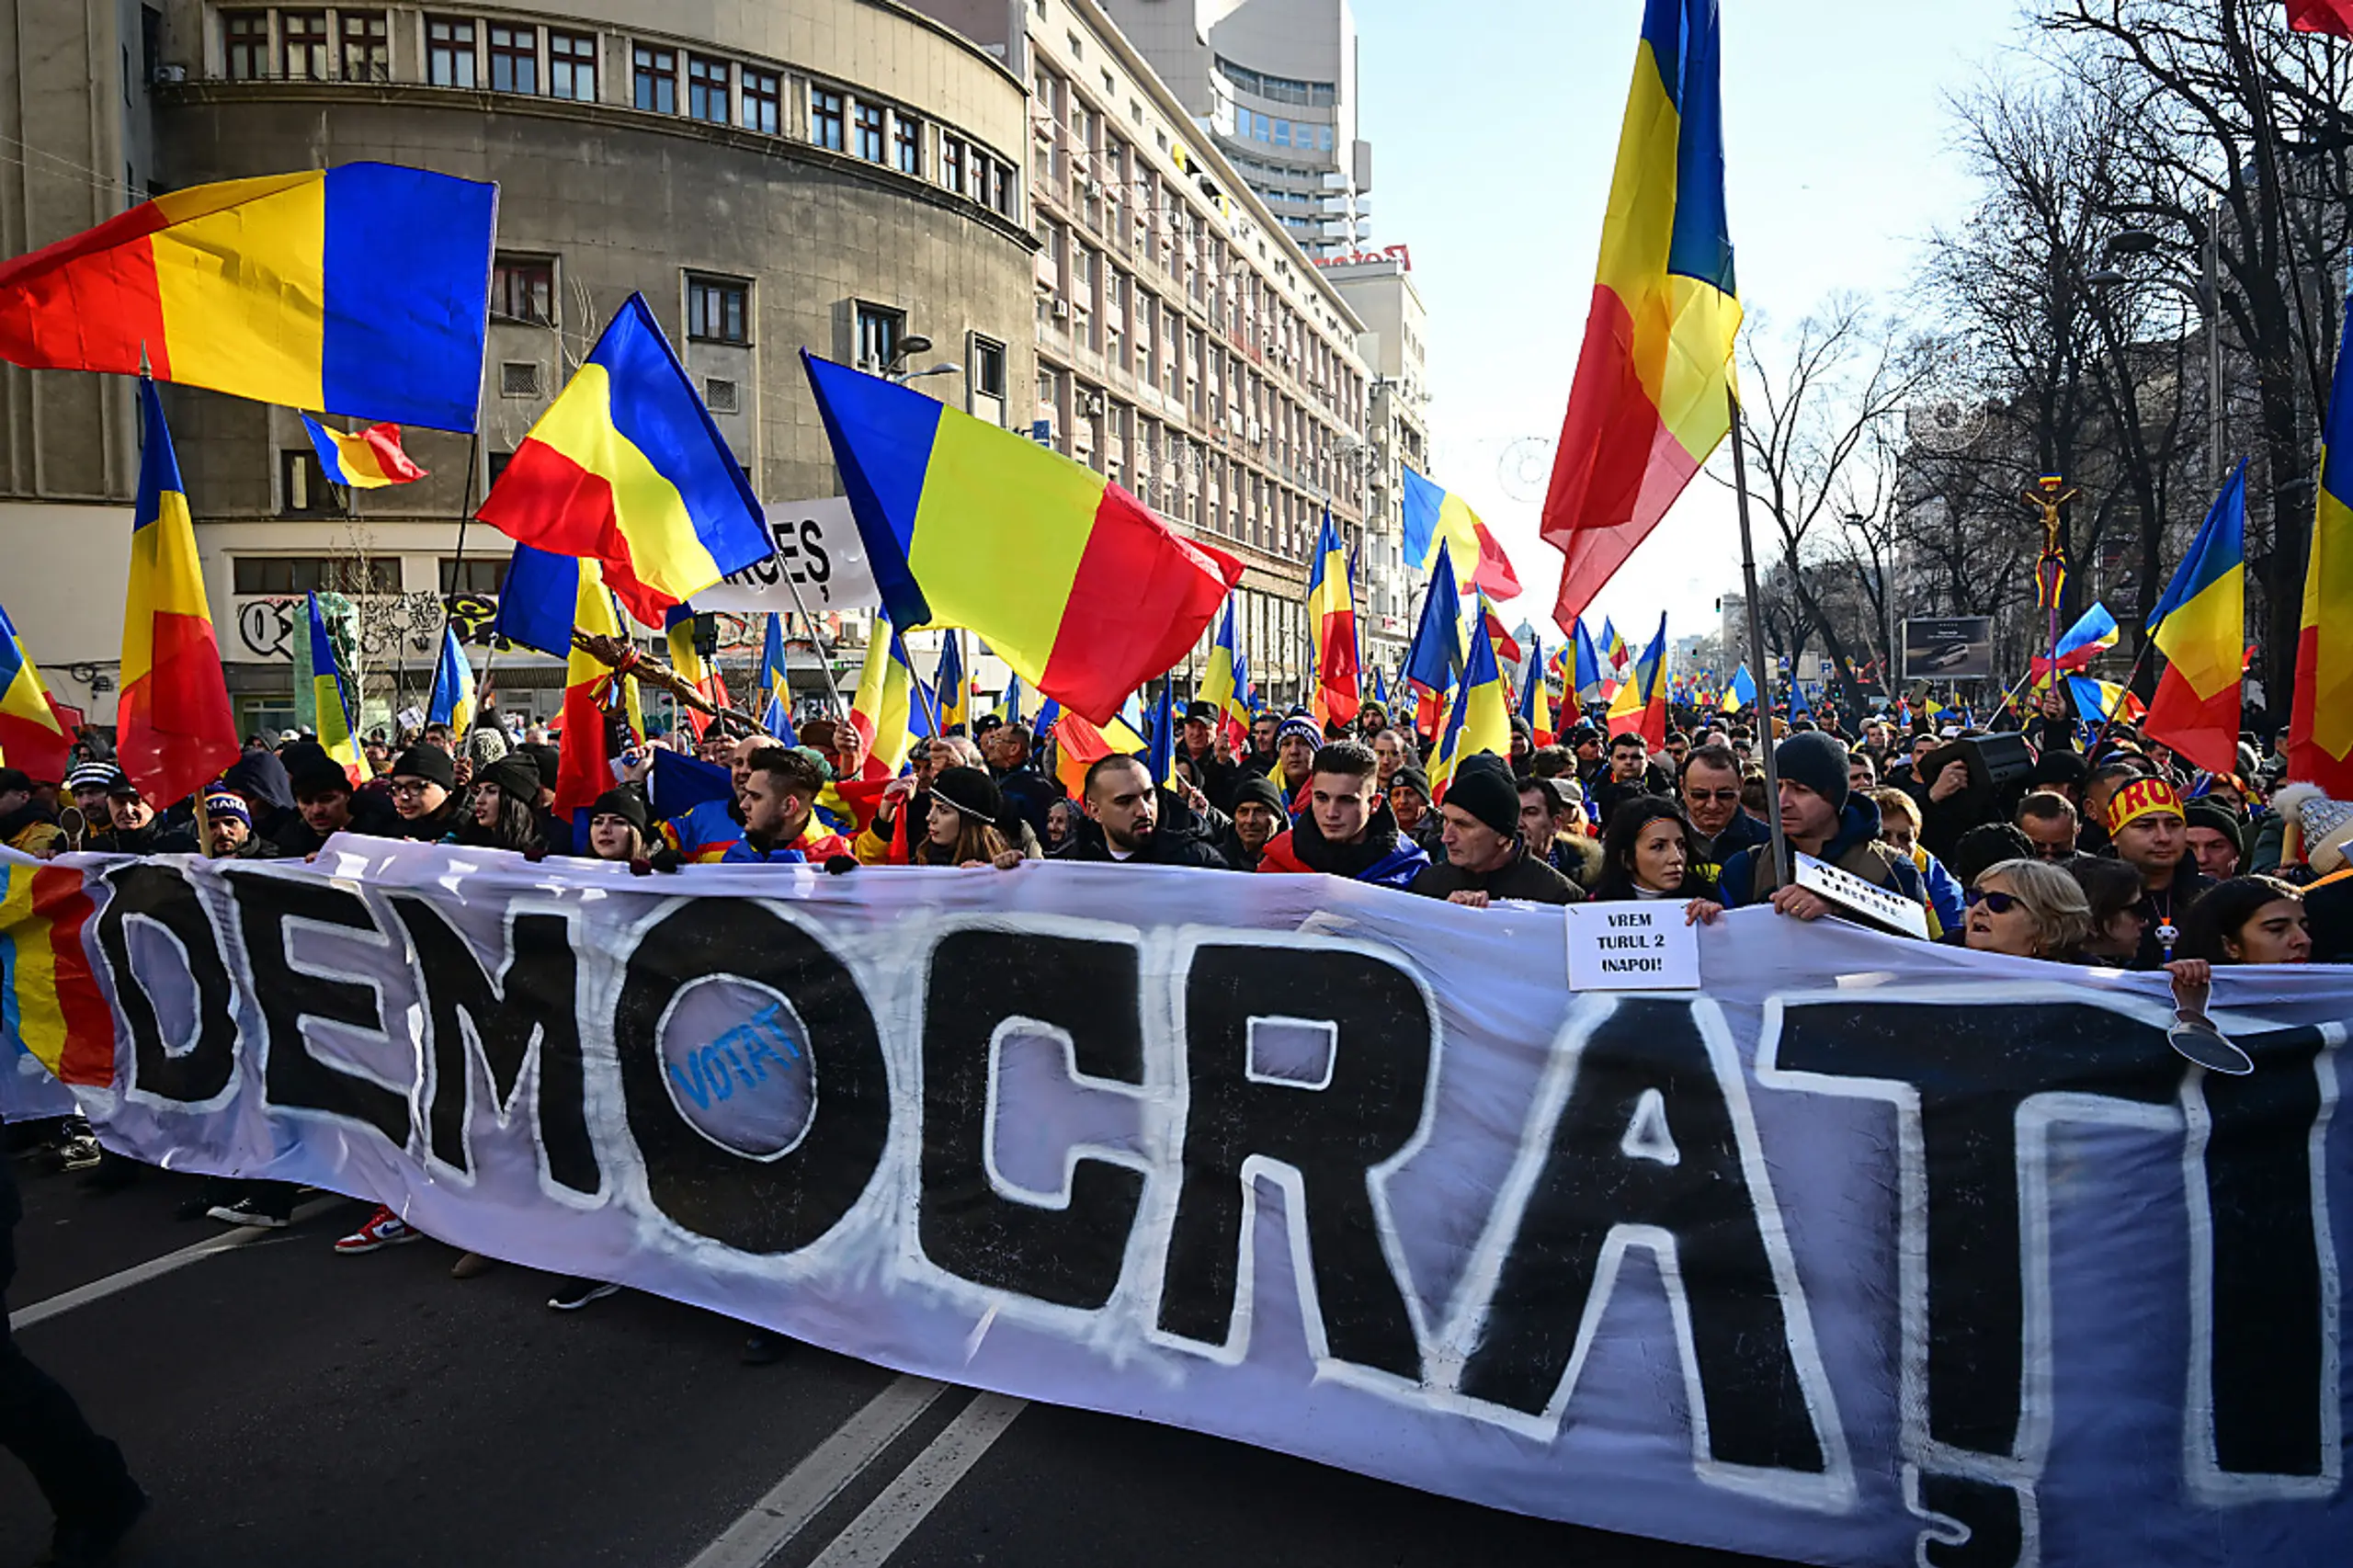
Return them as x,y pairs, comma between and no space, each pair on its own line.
1820,818
424,781
1486,859
1258,816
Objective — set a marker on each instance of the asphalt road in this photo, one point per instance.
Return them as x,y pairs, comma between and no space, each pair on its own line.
286,1406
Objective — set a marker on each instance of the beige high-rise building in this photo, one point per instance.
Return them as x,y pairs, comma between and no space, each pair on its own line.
1381,291
1186,344
844,176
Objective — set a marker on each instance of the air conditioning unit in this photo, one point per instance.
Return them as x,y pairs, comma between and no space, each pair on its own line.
1095,403
169,75
1061,310
1095,190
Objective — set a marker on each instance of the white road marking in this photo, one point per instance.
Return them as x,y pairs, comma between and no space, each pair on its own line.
772,1522
156,1267
884,1527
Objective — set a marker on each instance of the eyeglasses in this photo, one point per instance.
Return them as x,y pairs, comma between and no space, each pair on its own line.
1996,902
1723,797
410,786
2054,851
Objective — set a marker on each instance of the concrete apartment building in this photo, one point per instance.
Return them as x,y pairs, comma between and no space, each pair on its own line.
1186,344
841,175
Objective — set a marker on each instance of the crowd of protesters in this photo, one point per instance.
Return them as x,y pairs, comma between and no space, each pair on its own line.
2113,855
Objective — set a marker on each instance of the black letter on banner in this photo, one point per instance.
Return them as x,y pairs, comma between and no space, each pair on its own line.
2269,1340
750,1204
1591,1185
1090,991
1971,1067
166,898
296,1078
1332,1136
536,997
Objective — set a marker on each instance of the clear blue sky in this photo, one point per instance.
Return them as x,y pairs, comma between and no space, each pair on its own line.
1494,132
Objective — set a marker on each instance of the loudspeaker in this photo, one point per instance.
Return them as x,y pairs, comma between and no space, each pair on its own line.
1993,761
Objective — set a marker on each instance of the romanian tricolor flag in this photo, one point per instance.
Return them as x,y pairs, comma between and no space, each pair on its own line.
950,698
1588,673
363,291
1008,707
686,661
1742,692
1332,630
627,469
452,702
1436,516
1078,746
367,460
2320,726
2200,627
334,720
776,681
2094,634
172,727
33,736
882,712
585,771
1653,395
50,1003
1536,697
1226,681
1075,583
1640,707
2100,700
1480,717
1434,657
1615,655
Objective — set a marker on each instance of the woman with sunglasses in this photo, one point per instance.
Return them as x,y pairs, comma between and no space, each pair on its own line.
2027,910
2113,889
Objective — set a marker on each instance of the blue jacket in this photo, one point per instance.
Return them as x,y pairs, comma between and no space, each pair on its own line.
1944,892
741,853
706,832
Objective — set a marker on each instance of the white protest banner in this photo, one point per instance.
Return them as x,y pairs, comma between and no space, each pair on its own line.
817,542
1635,946
1852,893
1867,1249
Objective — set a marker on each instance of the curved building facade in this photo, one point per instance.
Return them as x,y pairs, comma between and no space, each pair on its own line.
843,176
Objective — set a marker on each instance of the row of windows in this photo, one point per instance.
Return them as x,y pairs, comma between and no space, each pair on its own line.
1296,134
1279,89
470,52
289,574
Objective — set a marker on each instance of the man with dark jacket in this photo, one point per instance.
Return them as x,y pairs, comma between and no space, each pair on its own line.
137,829
2147,830
1029,793
423,786
1347,829
1124,812
82,1474
1819,818
1258,816
324,805
1213,778
1486,858
1711,790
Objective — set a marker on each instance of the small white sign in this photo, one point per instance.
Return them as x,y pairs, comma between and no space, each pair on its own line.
818,542
1632,947
1876,905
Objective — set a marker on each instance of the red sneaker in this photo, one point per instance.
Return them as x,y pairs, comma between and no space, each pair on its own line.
384,1229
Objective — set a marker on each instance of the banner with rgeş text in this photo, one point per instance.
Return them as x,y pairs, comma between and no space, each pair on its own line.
1868,1252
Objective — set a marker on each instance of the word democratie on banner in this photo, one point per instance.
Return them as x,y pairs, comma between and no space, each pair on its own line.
1866,1252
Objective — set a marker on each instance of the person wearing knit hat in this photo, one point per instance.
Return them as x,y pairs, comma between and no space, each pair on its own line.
1821,818
1409,801
1485,856
1297,740
228,823
1259,813
422,780
326,804
962,827
2147,830
2217,837
501,807
618,826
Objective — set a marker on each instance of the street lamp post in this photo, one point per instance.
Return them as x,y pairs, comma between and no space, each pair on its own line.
2206,295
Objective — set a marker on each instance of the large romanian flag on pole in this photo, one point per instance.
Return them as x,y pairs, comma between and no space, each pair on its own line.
2200,627
2320,727
1651,397
452,701
363,291
1480,718
33,737
334,720
627,469
172,727
1332,627
584,769
1075,583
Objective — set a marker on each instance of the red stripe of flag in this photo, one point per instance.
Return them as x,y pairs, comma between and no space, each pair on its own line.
565,510
1098,647
2322,16
61,897
89,301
